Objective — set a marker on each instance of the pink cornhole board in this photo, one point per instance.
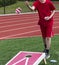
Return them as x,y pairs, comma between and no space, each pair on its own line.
22,59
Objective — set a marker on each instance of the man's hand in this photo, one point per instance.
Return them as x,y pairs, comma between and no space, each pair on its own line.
47,18
32,8
27,3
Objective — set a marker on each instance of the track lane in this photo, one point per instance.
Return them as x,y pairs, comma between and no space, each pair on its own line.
11,29
17,31
17,26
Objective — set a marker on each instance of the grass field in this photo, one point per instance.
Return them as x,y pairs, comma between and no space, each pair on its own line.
10,47
11,8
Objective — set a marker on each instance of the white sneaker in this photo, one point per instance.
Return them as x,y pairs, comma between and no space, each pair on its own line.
47,56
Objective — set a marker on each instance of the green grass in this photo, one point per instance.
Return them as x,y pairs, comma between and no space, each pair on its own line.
10,47
11,8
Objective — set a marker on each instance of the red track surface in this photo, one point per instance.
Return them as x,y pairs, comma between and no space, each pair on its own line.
23,25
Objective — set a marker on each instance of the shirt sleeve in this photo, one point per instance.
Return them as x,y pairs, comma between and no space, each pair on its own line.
35,5
52,7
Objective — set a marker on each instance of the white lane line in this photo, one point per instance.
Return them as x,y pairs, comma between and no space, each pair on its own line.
11,36
18,24
27,19
23,28
26,36
19,34
18,28
19,20
21,23
24,20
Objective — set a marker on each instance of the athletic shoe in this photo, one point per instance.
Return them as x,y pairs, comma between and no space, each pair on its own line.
47,56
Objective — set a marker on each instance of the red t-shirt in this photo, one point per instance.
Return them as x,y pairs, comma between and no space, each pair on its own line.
44,9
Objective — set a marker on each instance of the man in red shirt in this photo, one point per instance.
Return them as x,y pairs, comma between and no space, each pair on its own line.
46,11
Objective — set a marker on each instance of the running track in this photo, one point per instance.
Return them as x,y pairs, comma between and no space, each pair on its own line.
23,25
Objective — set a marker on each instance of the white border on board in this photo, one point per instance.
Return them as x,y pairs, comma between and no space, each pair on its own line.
36,63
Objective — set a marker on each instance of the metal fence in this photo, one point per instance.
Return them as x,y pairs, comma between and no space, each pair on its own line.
4,4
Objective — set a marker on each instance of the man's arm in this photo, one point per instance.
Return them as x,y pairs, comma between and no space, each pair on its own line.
32,8
49,17
53,12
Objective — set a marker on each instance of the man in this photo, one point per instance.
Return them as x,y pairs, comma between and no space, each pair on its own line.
46,11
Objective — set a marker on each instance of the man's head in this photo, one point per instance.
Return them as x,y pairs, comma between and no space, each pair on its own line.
42,1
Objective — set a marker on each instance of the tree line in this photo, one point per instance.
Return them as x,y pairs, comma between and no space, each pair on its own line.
8,2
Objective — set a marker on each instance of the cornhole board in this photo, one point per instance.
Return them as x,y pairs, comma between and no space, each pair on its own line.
27,58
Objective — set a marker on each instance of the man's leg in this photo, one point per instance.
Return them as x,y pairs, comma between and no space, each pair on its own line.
47,44
44,41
